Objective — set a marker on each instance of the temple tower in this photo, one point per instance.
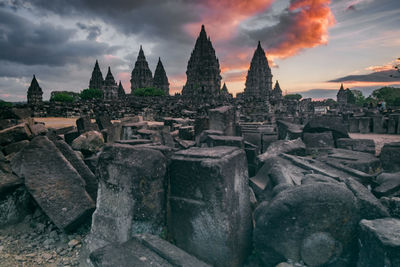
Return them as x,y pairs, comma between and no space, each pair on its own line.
160,78
96,82
203,72
259,76
35,93
141,74
277,92
341,96
121,91
110,88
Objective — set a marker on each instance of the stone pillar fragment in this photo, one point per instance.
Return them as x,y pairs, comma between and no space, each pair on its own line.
210,210
223,119
131,194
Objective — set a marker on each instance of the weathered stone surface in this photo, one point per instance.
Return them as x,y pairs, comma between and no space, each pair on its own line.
103,121
389,183
365,125
296,147
70,136
134,142
354,125
317,178
361,145
294,223
324,124
134,178
390,157
54,184
186,133
15,147
38,129
393,205
210,204
288,131
379,243
89,142
318,140
223,119
143,250
80,167
370,207
14,134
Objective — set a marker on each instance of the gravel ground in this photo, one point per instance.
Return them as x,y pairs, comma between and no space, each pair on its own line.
379,139
37,242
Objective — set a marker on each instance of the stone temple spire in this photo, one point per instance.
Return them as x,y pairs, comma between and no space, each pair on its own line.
259,76
203,72
121,91
96,82
277,92
341,96
109,78
141,74
160,78
35,93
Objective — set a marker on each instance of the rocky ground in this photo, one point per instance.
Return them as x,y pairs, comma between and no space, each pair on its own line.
37,242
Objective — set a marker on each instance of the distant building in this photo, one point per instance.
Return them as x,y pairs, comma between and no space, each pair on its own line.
35,93
277,92
225,93
259,76
141,76
203,71
341,96
160,78
96,81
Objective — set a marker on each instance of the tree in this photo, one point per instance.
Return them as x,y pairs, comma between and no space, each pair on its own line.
61,97
293,97
359,97
390,95
89,94
4,104
150,91
351,99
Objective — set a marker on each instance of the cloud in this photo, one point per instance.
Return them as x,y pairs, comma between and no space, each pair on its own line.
26,42
93,30
390,76
304,24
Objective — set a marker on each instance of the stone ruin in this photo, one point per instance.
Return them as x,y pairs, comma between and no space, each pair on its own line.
179,181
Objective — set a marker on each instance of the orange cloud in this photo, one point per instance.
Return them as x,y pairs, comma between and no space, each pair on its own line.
310,21
223,16
388,66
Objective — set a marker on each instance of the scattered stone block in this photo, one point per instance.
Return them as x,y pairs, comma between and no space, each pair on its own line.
134,142
14,134
324,124
210,204
289,131
390,157
218,140
143,250
133,177
38,129
103,122
361,145
389,183
318,140
54,184
364,125
315,223
296,147
354,125
378,125
70,136
89,143
186,133
379,243
223,119
84,124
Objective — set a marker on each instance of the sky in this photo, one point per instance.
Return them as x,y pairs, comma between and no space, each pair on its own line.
312,45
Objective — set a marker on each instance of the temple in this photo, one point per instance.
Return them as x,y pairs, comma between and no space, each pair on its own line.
259,76
141,74
96,81
35,93
160,78
203,71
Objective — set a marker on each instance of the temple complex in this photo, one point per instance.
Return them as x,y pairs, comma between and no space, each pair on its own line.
96,81
203,71
259,76
34,93
160,78
141,74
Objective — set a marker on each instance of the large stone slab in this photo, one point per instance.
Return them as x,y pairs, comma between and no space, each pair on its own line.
315,223
131,194
324,124
210,204
379,243
144,250
289,131
296,147
54,183
361,145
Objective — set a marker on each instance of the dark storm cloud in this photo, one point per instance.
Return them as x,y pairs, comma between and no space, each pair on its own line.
93,30
26,42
